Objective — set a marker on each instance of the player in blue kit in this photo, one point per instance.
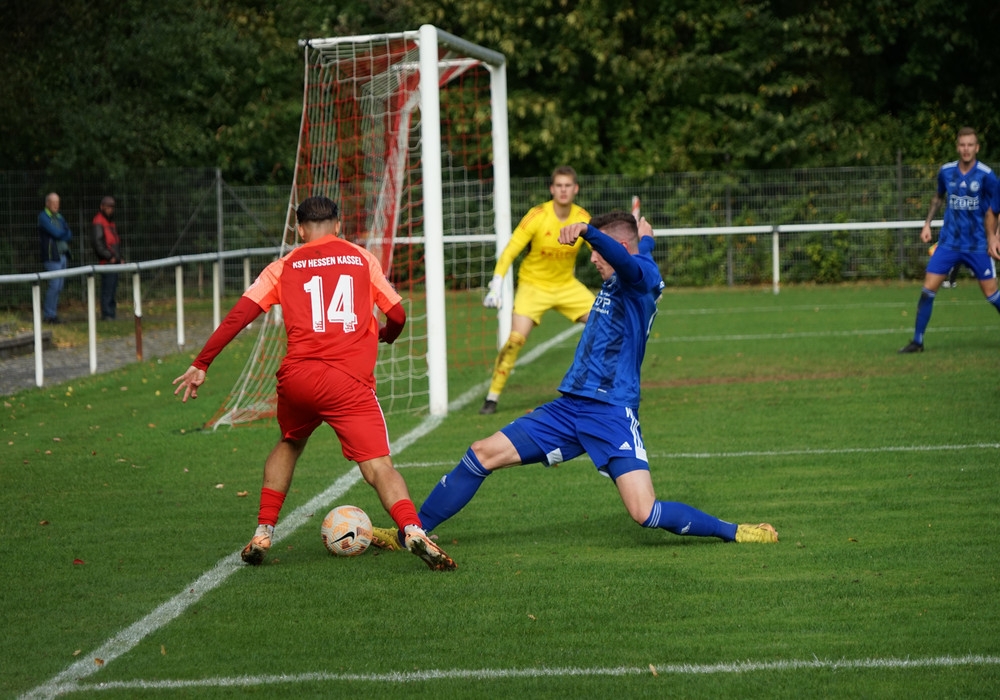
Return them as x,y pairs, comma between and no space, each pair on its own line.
972,194
598,410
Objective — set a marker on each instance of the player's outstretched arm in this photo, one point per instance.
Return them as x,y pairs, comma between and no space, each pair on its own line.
245,311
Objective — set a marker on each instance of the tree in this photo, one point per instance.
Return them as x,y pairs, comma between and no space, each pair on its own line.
611,86
103,86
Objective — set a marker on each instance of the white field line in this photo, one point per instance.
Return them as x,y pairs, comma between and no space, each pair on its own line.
835,451
743,310
904,332
127,639
776,453
486,674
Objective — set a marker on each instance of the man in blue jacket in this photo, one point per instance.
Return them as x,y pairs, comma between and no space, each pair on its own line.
53,237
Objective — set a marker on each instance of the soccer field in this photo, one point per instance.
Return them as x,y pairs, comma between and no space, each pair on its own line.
123,522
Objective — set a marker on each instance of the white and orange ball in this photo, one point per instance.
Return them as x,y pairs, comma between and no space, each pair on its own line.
346,531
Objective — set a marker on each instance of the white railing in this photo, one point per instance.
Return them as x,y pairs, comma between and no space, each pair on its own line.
177,262
36,278
777,229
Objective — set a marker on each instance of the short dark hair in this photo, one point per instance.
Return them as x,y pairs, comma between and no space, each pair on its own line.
316,209
563,170
620,225
967,131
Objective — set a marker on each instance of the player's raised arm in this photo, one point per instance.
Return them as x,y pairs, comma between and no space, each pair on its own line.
645,228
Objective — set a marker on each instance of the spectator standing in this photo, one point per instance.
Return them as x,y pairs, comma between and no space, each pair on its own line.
54,236
107,246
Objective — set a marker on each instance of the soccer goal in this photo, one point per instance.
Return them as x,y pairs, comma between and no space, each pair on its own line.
407,132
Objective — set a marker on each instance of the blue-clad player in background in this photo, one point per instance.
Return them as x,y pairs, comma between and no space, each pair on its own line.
972,194
598,410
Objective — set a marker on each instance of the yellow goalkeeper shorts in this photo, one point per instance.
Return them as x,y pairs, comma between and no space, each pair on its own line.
572,301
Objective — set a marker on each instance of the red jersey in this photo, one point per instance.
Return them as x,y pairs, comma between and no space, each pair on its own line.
327,290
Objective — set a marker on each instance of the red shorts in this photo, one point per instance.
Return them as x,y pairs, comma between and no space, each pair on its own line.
311,392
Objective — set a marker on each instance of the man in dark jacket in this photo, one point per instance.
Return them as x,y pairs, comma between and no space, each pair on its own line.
53,238
107,246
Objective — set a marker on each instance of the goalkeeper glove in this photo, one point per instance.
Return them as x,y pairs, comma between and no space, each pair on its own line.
493,300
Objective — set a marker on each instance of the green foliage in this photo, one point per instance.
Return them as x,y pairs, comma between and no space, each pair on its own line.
638,87
650,87
102,86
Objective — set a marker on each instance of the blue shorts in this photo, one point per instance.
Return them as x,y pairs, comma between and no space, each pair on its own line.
569,426
981,264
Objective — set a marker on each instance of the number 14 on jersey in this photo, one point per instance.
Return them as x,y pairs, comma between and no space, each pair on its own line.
341,306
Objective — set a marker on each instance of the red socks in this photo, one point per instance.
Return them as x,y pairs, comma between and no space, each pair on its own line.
404,513
270,505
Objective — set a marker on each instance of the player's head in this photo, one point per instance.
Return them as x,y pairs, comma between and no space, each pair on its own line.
621,226
317,216
563,185
967,144
108,207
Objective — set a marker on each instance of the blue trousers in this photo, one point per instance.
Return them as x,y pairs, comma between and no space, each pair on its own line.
109,289
50,304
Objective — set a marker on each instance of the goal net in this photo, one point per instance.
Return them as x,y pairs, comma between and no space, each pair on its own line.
407,132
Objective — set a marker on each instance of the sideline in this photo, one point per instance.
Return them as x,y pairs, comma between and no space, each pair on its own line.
68,680
487,674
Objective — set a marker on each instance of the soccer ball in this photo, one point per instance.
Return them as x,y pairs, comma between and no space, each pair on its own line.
346,531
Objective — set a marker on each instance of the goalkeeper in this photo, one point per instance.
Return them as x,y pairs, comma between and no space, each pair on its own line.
545,279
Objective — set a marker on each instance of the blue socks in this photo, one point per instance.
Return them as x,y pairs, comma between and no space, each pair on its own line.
926,305
453,491
457,487
682,519
994,299
924,308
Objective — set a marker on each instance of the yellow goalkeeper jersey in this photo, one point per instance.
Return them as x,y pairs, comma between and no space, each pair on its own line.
548,264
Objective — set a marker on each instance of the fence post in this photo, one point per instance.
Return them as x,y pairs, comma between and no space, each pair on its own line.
216,294
179,295
137,304
91,325
36,310
775,262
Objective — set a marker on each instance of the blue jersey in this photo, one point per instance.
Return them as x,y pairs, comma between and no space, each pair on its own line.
609,356
967,197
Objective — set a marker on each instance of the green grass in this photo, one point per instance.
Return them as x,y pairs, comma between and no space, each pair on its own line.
878,470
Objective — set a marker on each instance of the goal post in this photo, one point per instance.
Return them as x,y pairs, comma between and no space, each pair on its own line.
407,132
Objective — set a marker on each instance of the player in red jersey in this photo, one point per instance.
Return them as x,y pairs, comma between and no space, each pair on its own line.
327,288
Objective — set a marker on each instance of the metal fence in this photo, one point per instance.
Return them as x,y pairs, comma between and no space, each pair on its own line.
167,212
160,213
